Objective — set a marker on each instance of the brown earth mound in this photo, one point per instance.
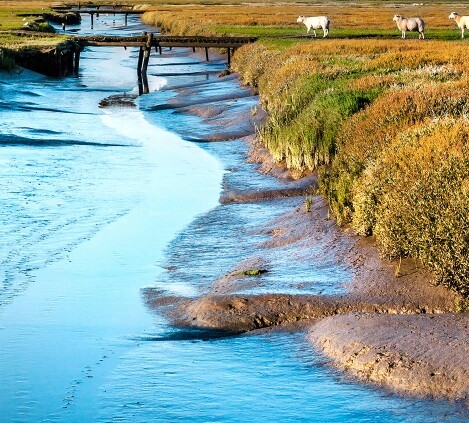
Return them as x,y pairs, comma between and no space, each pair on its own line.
424,355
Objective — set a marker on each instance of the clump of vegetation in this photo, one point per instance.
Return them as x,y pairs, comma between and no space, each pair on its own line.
252,272
386,125
7,63
38,24
307,100
69,18
415,198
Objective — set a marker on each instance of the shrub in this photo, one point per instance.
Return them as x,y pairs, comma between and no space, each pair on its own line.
303,133
415,199
251,61
367,133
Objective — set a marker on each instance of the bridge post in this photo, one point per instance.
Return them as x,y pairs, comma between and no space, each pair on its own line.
126,19
140,56
229,56
77,59
139,65
146,57
92,15
206,54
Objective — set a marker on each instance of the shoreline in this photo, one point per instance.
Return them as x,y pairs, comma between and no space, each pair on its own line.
390,327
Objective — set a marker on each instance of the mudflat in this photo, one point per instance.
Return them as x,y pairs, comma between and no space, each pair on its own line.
391,327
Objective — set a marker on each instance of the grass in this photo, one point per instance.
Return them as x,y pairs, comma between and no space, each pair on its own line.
12,17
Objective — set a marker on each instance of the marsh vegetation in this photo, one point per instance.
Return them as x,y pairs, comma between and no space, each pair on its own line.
383,120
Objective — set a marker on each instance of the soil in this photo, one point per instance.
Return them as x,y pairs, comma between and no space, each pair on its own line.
392,327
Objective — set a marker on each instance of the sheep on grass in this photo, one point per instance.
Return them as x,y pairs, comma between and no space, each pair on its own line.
410,24
315,22
462,21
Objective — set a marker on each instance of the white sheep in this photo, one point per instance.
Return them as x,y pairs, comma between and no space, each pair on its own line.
410,24
315,22
462,21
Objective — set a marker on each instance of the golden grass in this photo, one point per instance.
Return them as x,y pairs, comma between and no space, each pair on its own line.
341,15
415,197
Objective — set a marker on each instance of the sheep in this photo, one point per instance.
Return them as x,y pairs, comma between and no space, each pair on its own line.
410,24
462,21
315,22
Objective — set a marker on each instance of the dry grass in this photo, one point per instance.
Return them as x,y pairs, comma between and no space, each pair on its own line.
415,198
342,15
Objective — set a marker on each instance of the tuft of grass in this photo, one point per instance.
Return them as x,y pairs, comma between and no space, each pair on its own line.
461,305
253,272
308,202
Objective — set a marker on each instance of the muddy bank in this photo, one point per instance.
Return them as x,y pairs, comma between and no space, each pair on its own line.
374,287
423,355
389,310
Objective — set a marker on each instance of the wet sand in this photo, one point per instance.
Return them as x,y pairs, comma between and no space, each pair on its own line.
391,327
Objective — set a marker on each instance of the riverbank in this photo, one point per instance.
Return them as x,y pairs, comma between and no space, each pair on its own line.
401,330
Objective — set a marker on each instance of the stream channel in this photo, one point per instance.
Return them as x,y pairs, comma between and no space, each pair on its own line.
96,204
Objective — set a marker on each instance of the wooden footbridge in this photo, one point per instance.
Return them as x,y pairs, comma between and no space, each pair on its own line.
64,59
147,42
115,9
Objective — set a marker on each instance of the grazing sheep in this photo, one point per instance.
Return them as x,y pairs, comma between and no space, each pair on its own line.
410,24
462,21
315,22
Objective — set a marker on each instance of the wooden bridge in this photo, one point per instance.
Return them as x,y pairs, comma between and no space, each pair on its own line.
148,41
96,10
109,11
64,59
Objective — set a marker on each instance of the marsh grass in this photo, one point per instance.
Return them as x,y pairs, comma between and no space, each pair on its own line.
415,197
386,124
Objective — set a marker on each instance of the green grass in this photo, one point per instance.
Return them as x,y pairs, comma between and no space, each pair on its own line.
298,33
10,19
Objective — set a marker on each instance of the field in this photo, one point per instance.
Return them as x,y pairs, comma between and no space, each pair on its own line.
385,121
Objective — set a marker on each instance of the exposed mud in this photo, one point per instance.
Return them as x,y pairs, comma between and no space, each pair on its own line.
423,355
391,327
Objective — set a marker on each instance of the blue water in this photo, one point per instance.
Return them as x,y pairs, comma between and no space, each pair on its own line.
95,204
